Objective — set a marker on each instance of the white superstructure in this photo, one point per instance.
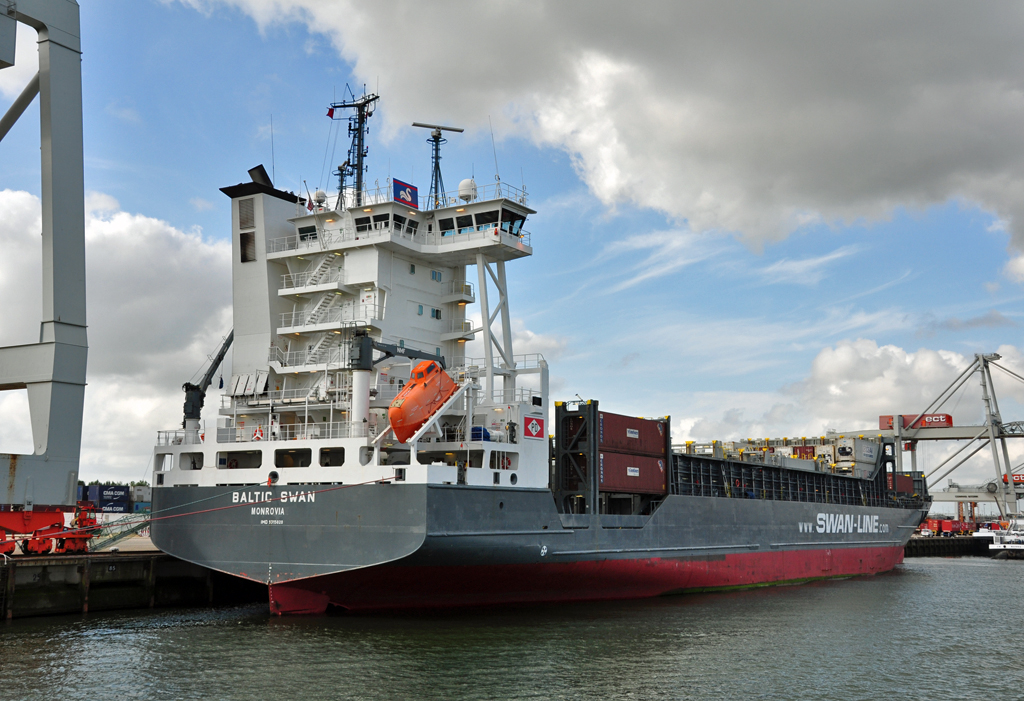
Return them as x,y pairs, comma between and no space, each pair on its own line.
307,280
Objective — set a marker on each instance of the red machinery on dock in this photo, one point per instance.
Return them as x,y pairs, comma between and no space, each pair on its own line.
39,530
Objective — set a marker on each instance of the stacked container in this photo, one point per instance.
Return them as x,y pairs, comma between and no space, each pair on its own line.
633,454
112,499
856,452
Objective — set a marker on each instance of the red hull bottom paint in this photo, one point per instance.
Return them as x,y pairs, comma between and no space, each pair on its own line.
398,587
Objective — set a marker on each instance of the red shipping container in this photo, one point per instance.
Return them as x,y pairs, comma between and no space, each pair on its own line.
804,452
923,421
933,525
947,526
632,474
628,434
904,484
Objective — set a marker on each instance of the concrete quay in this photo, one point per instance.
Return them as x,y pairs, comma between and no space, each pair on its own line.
136,576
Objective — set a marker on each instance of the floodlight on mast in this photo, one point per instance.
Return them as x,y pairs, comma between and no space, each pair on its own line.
435,140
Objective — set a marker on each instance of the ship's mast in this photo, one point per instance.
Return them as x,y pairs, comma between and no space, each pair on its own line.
436,195
357,151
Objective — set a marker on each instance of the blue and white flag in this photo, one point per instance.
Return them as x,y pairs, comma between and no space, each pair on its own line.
406,194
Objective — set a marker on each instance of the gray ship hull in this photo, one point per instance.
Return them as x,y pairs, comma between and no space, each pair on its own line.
412,545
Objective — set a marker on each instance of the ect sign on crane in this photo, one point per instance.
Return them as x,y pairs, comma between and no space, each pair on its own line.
34,487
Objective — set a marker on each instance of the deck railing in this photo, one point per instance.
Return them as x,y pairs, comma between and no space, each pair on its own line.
292,432
296,280
355,312
331,238
188,436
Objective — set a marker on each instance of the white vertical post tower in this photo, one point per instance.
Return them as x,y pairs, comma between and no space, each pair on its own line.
487,317
52,370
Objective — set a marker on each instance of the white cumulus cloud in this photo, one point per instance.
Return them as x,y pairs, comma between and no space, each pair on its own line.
756,122
158,304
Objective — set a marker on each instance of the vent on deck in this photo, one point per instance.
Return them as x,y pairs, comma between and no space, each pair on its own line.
246,215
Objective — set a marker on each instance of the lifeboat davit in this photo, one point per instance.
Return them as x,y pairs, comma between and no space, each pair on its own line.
428,389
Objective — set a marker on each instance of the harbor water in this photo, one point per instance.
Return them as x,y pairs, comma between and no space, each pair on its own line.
934,628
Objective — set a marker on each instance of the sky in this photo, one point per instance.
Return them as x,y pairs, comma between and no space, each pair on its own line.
761,219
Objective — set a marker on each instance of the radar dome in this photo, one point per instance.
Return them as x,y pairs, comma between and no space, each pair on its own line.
320,196
467,190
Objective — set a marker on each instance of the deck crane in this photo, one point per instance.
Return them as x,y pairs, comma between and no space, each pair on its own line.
195,394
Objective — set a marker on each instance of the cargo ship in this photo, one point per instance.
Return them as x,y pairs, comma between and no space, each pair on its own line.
361,459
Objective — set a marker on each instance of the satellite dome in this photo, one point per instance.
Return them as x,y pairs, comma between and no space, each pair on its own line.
467,190
320,197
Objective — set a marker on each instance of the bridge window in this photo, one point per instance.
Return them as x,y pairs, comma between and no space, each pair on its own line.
447,226
362,223
465,223
487,218
380,221
307,233
512,222
299,457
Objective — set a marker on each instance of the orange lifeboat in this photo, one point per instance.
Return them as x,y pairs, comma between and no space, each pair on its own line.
428,389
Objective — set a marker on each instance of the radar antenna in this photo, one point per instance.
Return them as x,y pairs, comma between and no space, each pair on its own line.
357,129
435,140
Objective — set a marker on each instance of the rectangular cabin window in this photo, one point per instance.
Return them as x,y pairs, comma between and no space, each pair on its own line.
420,312
246,214
400,223
332,457
297,457
435,275
435,313
191,461
362,223
447,226
512,222
239,459
247,245
412,226
465,223
412,268
487,218
380,221
307,233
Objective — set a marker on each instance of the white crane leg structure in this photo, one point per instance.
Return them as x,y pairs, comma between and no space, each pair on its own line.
52,370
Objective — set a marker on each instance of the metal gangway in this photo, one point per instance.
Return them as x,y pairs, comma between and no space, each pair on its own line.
116,531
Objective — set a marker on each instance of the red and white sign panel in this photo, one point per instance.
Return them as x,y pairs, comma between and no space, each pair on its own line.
923,421
533,427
